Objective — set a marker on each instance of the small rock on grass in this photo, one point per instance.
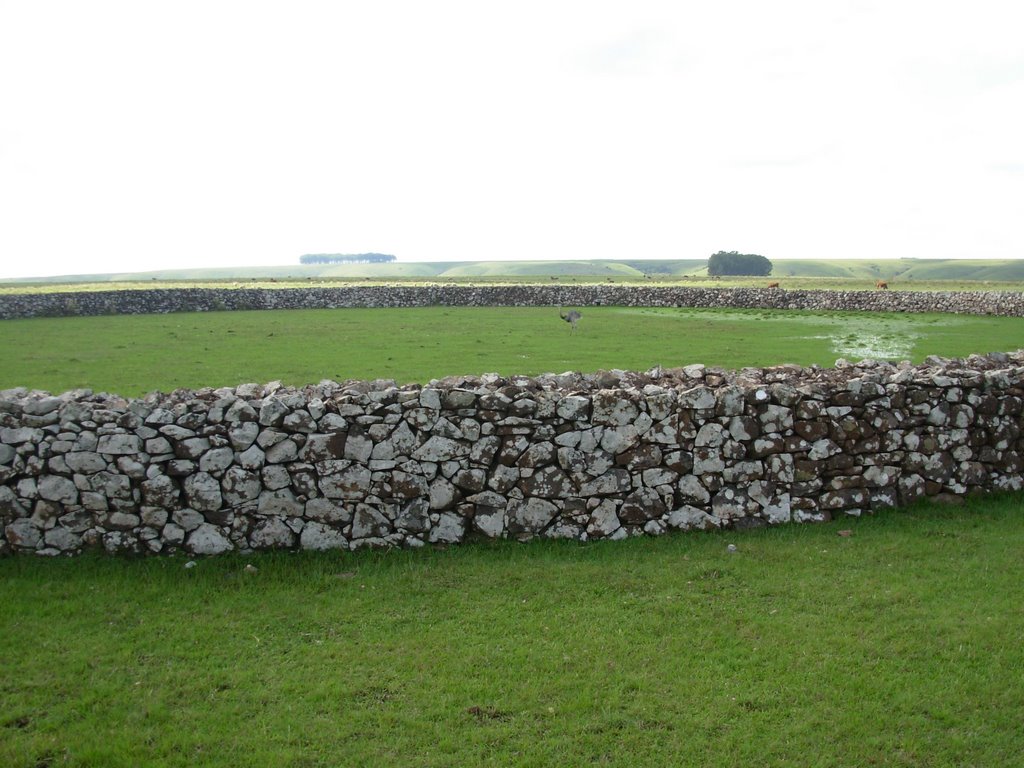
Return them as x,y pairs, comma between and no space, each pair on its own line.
191,564
250,568
731,548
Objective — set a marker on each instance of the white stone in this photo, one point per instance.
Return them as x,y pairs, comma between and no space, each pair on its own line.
358,447
59,489
239,486
573,408
326,511
63,539
617,440
280,502
610,407
207,540
449,529
440,449
86,462
700,398
442,494
710,435
119,444
688,518
603,520
161,491
319,537
351,483
23,533
243,435
284,451
368,522
612,481
188,519
272,533
490,523
823,449
173,535
530,516
202,491
216,459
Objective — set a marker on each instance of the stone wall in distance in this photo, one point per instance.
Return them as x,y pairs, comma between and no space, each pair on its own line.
216,299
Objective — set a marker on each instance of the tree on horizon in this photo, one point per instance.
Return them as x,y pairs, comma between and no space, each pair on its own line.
734,263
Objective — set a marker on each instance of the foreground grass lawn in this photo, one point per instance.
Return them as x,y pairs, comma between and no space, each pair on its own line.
132,355
901,644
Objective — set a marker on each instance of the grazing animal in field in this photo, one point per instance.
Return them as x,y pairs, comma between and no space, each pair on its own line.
773,285
881,285
571,317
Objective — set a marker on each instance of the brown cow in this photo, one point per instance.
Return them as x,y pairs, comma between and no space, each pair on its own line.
881,285
773,285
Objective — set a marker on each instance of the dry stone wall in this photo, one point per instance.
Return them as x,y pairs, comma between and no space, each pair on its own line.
602,456
212,299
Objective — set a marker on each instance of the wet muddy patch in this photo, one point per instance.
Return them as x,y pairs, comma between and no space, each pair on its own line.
861,346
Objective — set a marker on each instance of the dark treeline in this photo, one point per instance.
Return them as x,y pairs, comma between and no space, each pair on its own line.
733,263
346,258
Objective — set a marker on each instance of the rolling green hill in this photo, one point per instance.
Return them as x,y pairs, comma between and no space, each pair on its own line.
903,269
965,270
829,268
1007,270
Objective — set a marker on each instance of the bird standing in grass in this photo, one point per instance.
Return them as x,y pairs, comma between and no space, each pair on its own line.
571,317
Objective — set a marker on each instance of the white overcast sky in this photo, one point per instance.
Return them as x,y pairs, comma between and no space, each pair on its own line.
144,135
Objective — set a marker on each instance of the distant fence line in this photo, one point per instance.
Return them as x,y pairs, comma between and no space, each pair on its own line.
158,301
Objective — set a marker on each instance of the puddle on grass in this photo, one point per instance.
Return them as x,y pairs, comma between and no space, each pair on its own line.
864,346
853,336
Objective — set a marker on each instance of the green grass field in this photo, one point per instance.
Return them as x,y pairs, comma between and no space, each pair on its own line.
899,645
132,355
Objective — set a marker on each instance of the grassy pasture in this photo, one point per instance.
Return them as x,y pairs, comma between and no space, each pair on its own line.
899,645
131,355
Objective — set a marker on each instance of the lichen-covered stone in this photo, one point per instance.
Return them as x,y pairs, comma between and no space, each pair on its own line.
272,533
202,492
118,445
353,482
529,517
59,489
239,486
368,522
161,491
207,540
319,537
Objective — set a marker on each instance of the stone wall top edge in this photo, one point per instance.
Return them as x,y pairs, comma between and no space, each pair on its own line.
494,288
809,381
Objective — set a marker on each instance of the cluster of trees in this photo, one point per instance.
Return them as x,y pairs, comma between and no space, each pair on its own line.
733,263
346,258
